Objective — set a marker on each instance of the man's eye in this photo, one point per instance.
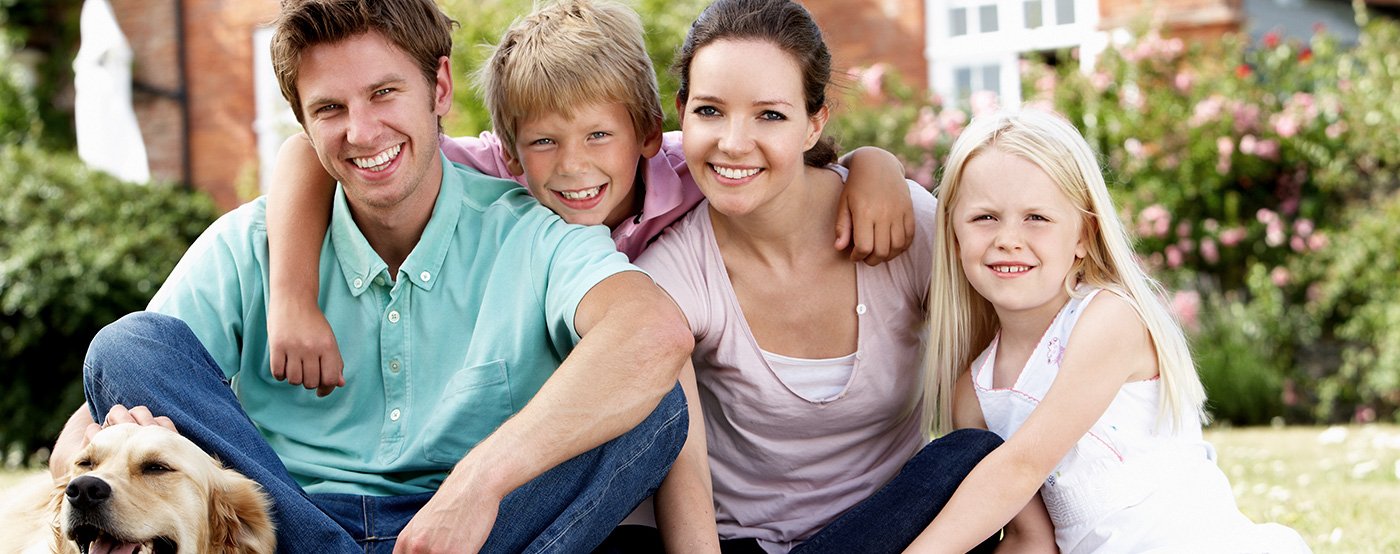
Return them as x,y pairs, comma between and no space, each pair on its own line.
383,91
327,108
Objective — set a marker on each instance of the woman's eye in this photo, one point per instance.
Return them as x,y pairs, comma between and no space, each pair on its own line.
770,115
706,111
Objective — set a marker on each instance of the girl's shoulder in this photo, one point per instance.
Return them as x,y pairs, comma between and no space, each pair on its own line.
1111,327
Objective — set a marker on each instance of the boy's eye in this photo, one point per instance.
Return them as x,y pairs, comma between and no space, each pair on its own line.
542,142
598,135
706,111
770,115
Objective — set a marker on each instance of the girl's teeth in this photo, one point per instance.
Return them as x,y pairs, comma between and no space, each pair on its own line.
584,194
375,163
1011,268
735,173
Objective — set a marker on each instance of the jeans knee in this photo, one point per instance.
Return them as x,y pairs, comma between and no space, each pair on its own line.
980,441
126,342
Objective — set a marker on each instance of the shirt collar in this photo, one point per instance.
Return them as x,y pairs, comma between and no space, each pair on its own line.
359,263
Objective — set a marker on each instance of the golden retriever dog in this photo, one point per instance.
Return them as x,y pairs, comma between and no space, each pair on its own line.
138,490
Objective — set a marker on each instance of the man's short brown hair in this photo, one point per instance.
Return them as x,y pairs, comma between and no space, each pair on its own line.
566,55
418,27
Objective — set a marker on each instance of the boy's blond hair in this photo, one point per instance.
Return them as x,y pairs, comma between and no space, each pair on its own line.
565,55
962,322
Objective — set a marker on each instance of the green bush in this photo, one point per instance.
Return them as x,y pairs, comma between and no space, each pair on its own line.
18,120
80,249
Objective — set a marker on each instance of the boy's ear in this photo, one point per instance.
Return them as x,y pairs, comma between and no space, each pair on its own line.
512,162
680,109
652,144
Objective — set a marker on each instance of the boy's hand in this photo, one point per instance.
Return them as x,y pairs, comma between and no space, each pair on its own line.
876,215
304,351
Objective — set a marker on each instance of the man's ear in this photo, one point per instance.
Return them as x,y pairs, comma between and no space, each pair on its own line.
442,87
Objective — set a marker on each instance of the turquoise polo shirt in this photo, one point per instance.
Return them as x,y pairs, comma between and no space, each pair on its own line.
436,357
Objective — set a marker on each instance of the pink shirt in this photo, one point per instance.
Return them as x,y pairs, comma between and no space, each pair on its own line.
785,466
668,193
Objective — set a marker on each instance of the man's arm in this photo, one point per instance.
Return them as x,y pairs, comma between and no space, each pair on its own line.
634,343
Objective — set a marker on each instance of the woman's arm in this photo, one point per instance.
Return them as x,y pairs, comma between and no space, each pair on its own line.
304,351
685,508
1106,349
876,215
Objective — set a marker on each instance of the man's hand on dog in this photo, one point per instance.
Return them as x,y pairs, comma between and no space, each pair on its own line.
140,415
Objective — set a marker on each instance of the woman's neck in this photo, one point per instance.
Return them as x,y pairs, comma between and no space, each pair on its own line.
787,229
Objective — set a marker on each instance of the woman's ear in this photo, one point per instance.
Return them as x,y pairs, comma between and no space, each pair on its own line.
815,124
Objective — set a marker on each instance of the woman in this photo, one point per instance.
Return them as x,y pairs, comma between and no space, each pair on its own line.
808,364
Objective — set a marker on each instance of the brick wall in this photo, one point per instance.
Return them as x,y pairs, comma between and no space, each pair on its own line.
862,32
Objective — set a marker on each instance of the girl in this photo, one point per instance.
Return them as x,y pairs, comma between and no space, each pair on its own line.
1082,368
808,364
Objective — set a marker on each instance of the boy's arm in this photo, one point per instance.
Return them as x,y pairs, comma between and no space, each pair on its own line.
634,344
304,351
876,216
685,505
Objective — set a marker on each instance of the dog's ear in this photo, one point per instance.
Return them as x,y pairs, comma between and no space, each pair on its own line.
54,508
238,517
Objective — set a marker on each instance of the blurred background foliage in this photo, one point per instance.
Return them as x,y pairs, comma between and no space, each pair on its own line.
1261,178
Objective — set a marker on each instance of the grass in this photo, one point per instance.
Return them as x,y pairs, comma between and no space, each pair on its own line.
1338,486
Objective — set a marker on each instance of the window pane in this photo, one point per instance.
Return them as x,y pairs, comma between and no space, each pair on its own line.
962,79
988,16
991,78
957,22
1033,17
1064,12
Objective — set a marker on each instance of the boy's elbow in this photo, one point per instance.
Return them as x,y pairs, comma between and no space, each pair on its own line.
673,342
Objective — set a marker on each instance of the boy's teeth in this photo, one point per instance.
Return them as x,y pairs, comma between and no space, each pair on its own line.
1010,268
373,163
735,173
584,194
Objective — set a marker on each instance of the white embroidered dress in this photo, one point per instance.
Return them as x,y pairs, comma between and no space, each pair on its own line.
1128,485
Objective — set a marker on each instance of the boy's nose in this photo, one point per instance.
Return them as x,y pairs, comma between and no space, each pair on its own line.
573,162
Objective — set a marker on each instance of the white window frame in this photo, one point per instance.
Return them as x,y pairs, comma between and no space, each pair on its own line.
1004,47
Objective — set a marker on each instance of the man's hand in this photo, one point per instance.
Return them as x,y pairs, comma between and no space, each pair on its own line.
78,432
304,350
455,520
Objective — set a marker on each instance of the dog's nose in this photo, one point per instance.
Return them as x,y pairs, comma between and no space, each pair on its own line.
87,492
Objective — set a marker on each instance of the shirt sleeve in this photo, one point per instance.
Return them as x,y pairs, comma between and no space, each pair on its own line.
676,262
568,261
483,153
209,287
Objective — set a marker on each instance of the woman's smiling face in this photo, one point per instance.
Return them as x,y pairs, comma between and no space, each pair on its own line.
745,123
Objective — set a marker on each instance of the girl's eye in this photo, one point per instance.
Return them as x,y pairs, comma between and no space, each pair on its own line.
770,115
1037,217
706,111
983,217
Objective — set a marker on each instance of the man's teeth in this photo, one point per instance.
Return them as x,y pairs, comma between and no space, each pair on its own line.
584,194
735,173
376,163
1011,268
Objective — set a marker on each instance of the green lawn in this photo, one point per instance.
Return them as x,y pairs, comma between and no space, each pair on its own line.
1339,486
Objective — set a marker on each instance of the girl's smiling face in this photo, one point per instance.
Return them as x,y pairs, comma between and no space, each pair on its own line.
1017,234
745,123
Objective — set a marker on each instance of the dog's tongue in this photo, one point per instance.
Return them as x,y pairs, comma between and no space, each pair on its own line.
105,545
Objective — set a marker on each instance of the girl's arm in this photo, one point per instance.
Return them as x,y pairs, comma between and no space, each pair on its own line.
304,351
685,506
1030,531
1108,346
876,215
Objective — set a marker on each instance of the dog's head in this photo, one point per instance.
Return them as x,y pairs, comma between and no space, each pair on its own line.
144,489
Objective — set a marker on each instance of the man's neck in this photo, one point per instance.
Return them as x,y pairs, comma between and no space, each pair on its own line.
393,232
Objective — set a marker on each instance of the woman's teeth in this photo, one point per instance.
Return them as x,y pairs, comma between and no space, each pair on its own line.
734,173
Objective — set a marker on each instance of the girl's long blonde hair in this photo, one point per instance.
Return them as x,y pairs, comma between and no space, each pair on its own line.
962,322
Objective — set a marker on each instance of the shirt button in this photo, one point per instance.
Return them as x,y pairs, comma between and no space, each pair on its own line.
379,281
393,316
394,415
860,309
425,276
394,366
359,282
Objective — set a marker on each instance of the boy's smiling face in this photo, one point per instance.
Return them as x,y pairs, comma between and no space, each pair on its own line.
583,167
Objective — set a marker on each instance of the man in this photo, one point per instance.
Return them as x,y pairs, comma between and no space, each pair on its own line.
456,299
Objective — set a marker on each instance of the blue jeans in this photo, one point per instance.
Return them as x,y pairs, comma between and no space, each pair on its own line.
892,517
148,359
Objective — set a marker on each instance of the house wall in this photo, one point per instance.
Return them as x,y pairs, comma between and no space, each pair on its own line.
863,32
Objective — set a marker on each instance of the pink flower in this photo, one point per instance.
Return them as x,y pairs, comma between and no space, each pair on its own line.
1209,252
1285,124
1132,97
1207,110
1267,149
1134,148
1247,144
872,79
1336,129
1184,80
1271,39
1317,242
983,102
1364,414
1280,276
1154,221
1045,84
1174,256
1233,236
1210,225
1246,117
1273,233
1265,216
952,121
1298,244
1183,229
1186,306
1303,227
924,133
1100,81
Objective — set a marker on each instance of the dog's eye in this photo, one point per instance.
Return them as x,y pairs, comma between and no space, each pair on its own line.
155,468
84,463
